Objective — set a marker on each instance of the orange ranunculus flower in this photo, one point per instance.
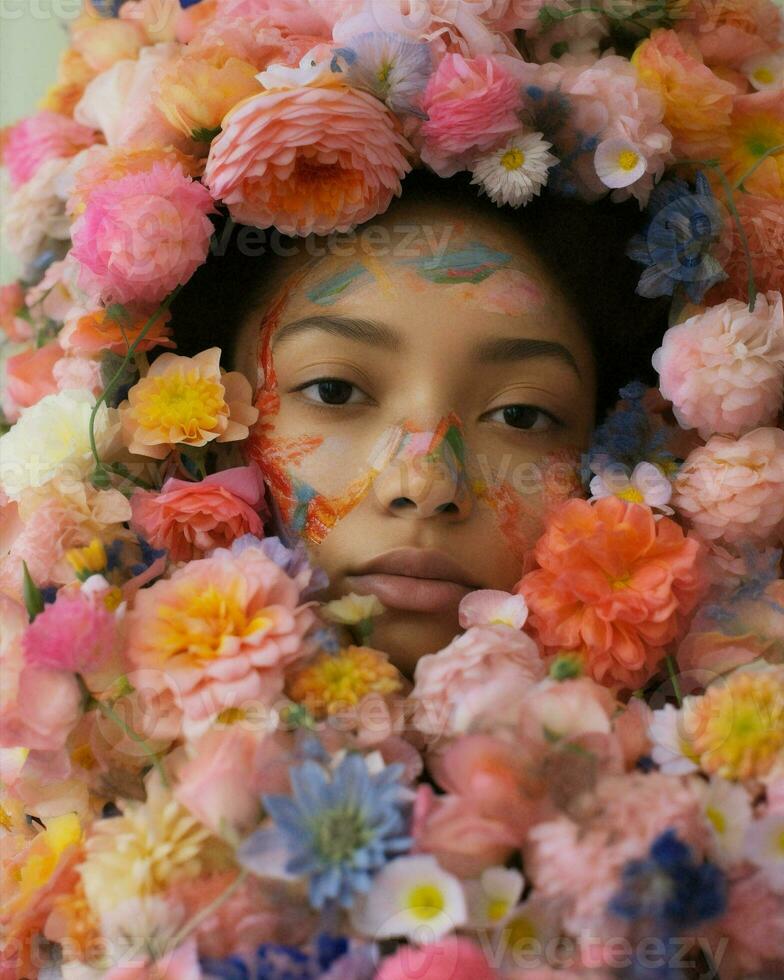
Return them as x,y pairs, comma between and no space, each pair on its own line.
697,103
186,401
95,332
196,91
757,128
613,583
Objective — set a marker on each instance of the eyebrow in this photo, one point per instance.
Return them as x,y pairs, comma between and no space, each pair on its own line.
351,328
502,349
374,334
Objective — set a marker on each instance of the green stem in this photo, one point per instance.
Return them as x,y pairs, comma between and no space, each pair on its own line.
744,241
203,914
108,712
768,153
120,370
672,670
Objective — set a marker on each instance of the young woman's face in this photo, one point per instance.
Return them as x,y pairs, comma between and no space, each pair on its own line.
425,392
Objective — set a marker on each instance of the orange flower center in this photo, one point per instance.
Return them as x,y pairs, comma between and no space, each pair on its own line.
199,627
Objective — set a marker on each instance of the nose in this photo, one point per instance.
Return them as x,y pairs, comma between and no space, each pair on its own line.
425,476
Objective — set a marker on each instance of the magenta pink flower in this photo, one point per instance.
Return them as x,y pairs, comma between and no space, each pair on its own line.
142,235
732,490
723,369
41,137
308,159
472,106
75,633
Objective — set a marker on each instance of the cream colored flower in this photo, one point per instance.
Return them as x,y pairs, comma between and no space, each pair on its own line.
144,851
51,440
353,609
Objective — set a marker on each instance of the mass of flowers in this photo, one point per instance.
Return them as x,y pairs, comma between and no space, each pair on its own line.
206,773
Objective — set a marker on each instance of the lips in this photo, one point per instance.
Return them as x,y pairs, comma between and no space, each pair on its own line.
414,580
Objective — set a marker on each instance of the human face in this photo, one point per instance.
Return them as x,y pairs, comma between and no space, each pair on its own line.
423,404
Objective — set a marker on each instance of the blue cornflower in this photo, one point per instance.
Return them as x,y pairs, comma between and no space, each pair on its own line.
337,828
388,66
679,244
668,888
627,437
274,961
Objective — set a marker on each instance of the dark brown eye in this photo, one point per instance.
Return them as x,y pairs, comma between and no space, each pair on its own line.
522,416
335,392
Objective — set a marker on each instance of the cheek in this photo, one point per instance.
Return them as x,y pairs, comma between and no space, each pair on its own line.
522,495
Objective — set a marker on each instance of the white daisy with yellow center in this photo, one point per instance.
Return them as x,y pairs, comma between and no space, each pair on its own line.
619,163
765,848
726,808
515,173
672,750
411,897
647,484
493,897
765,72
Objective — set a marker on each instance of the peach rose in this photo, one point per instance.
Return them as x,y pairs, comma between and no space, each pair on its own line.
191,519
29,377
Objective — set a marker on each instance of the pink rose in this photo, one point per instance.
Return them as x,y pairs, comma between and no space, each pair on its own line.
41,137
75,633
477,681
452,958
732,490
723,369
191,519
472,106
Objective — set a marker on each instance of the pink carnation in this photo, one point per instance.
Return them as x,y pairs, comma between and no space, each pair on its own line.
307,159
71,373
472,106
723,369
41,137
732,490
452,958
38,706
219,632
191,519
479,679
142,235
74,633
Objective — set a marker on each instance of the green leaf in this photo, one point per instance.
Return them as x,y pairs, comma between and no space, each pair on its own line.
119,314
33,599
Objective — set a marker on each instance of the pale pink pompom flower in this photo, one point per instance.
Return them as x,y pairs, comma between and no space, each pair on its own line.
43,136
723,369
492,607
732,490
142,235
472,106
308,158
475,682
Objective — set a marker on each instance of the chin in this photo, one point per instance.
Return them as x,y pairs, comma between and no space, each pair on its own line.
407,636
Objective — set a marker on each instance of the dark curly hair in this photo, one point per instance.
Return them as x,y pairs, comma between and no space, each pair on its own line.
583,245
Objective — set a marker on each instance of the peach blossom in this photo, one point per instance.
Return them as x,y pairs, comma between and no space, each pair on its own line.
219,632
614,585
29,377
729,32
757,126
474,683
191,519
102,43
94,332
763,223
12,304
309,159
732,490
